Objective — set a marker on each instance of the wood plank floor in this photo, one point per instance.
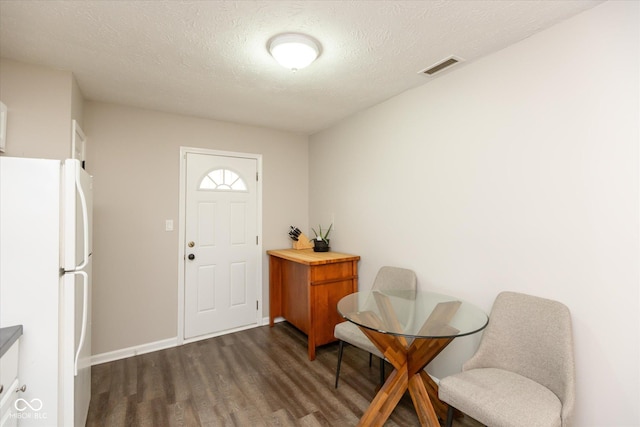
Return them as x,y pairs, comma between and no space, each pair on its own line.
257,377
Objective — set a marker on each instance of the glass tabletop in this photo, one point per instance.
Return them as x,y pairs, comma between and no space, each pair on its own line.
413,314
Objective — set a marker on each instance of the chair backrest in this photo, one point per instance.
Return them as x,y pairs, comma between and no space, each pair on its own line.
395,278
532,337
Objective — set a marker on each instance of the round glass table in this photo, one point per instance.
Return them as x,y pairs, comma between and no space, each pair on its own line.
410,328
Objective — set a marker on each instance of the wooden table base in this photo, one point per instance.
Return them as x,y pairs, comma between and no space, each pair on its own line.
408,374
409,362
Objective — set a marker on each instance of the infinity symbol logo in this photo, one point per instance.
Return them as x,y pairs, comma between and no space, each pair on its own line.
22,405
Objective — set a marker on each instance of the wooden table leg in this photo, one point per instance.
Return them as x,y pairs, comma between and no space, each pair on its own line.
421,352
423,390
386,399
409,362
439,406
422,402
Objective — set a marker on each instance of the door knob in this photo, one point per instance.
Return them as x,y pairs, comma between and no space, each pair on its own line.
191,256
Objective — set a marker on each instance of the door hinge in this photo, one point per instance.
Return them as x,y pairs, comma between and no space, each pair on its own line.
256,240
256,304
256,176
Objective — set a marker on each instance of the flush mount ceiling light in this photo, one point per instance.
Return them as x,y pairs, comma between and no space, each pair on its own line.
294,51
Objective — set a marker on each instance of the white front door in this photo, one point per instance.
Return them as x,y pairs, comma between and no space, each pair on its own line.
221,247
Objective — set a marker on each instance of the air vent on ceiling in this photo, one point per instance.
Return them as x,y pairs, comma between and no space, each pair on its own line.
441,65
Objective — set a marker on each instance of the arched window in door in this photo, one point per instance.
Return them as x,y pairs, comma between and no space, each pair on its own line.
222,180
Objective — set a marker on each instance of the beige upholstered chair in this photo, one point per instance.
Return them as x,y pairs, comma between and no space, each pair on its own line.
387,278
523,372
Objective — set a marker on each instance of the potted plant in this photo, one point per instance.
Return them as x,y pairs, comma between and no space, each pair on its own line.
321,241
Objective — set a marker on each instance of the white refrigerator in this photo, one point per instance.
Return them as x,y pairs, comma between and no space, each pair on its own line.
45,285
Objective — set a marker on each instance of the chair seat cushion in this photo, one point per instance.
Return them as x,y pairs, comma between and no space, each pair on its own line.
350,333
500,398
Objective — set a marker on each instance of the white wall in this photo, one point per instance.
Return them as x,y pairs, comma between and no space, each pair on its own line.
518,172
134,157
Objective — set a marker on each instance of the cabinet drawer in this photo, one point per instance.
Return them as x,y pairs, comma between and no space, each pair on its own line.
8,369
329,272
8,413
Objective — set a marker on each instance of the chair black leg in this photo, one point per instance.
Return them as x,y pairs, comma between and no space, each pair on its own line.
370,357
381,372
450,416
339,361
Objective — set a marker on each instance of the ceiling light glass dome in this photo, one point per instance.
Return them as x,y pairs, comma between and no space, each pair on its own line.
294,51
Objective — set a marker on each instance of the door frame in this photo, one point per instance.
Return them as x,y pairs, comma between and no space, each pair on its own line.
182,216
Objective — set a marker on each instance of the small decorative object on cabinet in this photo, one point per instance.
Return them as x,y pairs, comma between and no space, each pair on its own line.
300,240
321,242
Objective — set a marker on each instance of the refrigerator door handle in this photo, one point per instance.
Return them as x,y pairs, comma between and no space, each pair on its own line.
85,310
85,220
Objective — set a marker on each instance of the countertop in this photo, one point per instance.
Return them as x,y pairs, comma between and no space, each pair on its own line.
309,257
8,336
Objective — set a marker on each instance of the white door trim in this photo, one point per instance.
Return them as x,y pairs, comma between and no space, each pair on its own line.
181,235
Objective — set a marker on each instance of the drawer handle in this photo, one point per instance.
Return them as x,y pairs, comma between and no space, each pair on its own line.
21,389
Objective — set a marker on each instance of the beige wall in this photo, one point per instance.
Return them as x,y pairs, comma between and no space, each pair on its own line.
134,157
519,172
41,103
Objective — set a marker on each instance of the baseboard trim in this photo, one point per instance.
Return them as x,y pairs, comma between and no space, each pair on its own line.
265,320
221,333
110,356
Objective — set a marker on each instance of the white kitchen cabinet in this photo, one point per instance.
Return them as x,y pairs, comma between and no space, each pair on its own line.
9,385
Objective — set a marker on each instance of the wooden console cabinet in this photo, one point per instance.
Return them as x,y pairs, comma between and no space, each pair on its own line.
305,287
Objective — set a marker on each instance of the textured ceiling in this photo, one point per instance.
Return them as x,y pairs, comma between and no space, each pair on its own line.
209,58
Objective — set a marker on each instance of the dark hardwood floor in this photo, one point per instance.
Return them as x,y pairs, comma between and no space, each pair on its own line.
257,377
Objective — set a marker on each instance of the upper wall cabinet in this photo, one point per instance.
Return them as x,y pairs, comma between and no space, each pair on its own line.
78,143
3,127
